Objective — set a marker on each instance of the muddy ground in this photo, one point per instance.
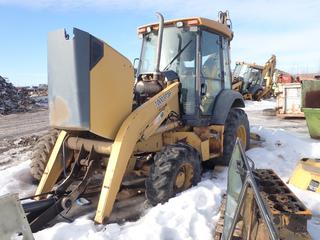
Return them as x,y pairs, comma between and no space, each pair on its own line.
18,133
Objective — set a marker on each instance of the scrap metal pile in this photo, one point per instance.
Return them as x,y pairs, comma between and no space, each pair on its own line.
36,91
13,100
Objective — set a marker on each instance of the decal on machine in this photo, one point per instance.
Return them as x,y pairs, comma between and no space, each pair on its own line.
158,119
162,99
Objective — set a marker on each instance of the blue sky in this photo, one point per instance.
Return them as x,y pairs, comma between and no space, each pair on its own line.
288,28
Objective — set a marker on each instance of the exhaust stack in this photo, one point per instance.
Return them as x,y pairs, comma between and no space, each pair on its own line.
160,35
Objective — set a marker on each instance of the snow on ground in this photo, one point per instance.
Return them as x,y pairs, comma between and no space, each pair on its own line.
17,179
281,150
191,215
14,156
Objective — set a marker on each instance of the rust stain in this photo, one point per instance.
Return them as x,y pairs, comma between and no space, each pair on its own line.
59,112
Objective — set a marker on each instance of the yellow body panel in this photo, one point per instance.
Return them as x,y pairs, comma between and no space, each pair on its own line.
111,87
153,144
207,146
237,86
53,168
307,175
205,150
267,74
220,130
190,137
130,132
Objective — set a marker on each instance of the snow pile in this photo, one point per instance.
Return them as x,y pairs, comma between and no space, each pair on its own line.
191,215
17,179
260,105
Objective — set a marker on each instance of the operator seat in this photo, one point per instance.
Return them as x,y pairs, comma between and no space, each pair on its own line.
211,74
210,68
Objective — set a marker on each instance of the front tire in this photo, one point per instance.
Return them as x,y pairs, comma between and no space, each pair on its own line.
41,153
236,125
176,168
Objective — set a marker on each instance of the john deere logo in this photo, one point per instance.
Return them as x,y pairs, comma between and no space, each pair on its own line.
162,99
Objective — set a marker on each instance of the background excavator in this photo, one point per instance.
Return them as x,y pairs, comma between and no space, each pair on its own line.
254,81
120,136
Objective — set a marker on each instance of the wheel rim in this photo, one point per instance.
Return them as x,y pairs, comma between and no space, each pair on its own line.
242,135
184,177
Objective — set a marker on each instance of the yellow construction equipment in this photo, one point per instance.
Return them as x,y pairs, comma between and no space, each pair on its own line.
121,136
307,175
254,81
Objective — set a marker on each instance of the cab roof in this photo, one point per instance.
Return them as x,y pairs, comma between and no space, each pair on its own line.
194,21
252,65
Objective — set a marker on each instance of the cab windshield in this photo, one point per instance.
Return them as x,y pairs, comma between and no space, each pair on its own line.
177,54
240,70
249,74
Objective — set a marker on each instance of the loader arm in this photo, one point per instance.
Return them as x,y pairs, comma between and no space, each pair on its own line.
140,121
268,71
53,169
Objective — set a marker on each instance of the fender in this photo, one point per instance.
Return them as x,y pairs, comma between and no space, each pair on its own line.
226,100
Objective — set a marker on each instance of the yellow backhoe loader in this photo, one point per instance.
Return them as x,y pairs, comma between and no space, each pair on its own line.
254,81
121,136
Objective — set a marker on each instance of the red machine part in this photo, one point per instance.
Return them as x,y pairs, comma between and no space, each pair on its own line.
285,78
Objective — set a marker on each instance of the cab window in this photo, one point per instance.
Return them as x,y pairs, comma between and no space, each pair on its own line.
226,64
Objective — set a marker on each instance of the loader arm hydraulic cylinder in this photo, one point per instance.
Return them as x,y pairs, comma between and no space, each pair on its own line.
128,135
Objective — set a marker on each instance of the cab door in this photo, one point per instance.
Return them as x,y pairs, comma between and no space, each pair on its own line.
211,71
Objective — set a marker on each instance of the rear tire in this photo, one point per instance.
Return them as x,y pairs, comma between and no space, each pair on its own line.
41,153
236,125
257,95
176,168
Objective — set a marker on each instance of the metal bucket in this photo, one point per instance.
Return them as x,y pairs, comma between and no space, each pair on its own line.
312,116
311,106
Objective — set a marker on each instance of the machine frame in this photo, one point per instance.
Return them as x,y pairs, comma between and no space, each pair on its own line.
156,121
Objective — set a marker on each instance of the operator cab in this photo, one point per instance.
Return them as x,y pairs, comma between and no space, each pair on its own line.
193,50
250,74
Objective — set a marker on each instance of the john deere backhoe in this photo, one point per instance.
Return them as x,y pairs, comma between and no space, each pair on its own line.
254,81
121,136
